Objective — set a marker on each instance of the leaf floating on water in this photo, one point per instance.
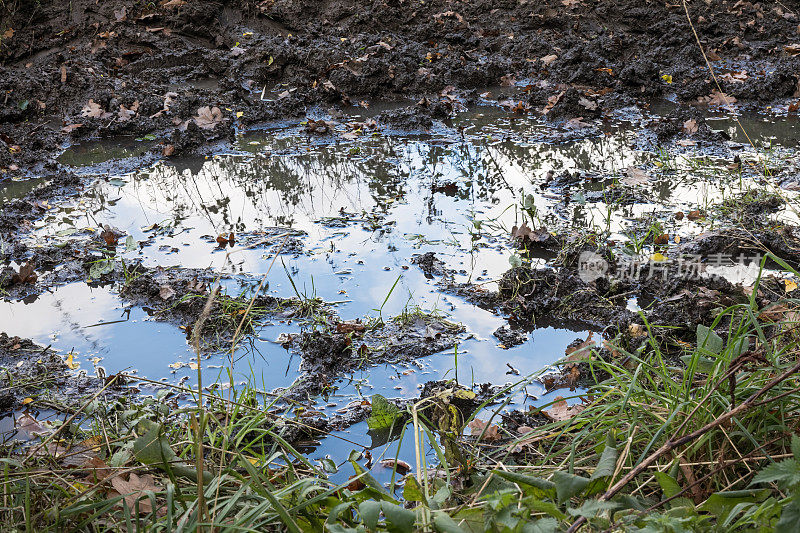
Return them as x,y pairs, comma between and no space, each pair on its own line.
384,414
635,176
70,362
401,466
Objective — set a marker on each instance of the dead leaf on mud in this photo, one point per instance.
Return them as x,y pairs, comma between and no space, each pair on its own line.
121,14
694,215
453,14
580,351
28,424
792,49
166,292
125,113
134,489
589,105
635,176
560,411
492,433
350,327
508,80
168,150
93,110
576,124
546,60
63,74
717,98
171,4
319,126
690,126
208,117
226,239
661,239
25,274
735,77
552,101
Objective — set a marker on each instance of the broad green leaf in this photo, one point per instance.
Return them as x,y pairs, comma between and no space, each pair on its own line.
370,513
543,488
543,525
605,469
384,414
670,488
545,507
790,518
412,492
443,523
707,339
568,485
591,508
371,482
720,504
398,519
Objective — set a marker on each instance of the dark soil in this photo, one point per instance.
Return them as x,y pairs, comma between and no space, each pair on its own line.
149,67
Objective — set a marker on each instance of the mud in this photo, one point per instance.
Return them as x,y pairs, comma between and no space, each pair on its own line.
149,68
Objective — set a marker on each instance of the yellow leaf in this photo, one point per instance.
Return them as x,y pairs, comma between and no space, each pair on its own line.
193,366
790,285
667,78
26,401
70,363
239,114
657,257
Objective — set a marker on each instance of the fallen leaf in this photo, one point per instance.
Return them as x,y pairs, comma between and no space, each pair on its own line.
717,98
792,49
402,467
735,77
125,113
121,14
579,352
350,327
694,215
27,423
690,126
168,150
26,274
560,411
208,117
93,110
635,176
70,362
661,239
166,292
70,128
546,60
226,239
508,80
173,4
110,235
63,74
789,285
134,489
491,433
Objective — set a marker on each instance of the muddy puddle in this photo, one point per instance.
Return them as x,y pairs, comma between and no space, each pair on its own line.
345,220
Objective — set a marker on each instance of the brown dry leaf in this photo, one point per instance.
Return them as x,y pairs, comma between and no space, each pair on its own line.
110,235
166,292
93,110
350,327
63,74
125,113
686,142
355,485
735,77
492,433
552,101
168,150
546,60
576,124
635,176
508,80
27,423
226,239
694,215
690,126
121,14
26,274
403,467
69,128
525,233
134,490
8,34
453,14
773,313
579,352
589,105
792,49
170,4
662,239
208,117
717,98
560,411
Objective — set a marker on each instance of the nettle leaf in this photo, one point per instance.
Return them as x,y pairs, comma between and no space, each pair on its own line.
543,525
785,473
708,340
384,413
568,485
542,488
670,488
796,447
412,492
